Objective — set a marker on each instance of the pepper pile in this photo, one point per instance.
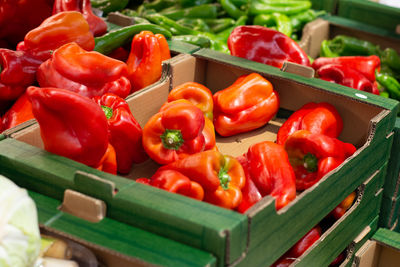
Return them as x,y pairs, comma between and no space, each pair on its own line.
208,23
376,66
177,138
58,54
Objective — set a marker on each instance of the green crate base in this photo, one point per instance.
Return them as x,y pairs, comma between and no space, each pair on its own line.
146,247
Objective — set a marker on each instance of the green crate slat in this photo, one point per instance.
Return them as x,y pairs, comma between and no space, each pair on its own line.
372,13
387,237
327,5
326,250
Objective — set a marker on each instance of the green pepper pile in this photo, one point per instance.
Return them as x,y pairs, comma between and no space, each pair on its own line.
208,23
389,75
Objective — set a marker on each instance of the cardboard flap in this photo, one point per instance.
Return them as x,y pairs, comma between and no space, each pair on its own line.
120,19
363,234
398,29
367,255
83,206
298,69
94,185
313,35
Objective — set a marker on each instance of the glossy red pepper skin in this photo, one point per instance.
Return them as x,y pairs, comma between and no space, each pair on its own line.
366,65
71,125
313,155
97,25
208,130
19,17
347,76
222,177
299,248
249,103
175,182
89,74
265,45
148,50
108,162
20,111
305,242
125,133
320,118
197,94
175,132
55,31
346,204
267,165
18,71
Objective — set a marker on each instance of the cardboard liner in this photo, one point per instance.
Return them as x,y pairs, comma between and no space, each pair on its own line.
327,27
261,235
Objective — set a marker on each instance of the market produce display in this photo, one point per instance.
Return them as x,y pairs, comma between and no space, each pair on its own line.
75,75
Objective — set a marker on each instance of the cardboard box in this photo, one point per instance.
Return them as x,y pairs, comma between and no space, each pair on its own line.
115,244
258,237
361,215
383,250
371,13
328,27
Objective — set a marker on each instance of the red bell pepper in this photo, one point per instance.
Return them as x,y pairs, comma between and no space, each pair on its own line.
175,132
17,72
19,17
347,76
366,65
145,59
267,167
208,130
222,177
299,248
20,112
108,162
71,125
320,118
249,103
197,94
87,73
174,182
313,155
346,204
125,133
55,31
97,25
265,45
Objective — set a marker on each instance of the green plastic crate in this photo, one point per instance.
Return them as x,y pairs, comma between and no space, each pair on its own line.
371,13
142,248
261,235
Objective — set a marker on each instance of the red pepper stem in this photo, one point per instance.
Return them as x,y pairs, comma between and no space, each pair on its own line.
172,139
107,111
224,178
310,162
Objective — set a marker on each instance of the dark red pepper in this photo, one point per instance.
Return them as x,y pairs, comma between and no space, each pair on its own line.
17,72
267,166
320,118
347,76
125,133
265,45
366,65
